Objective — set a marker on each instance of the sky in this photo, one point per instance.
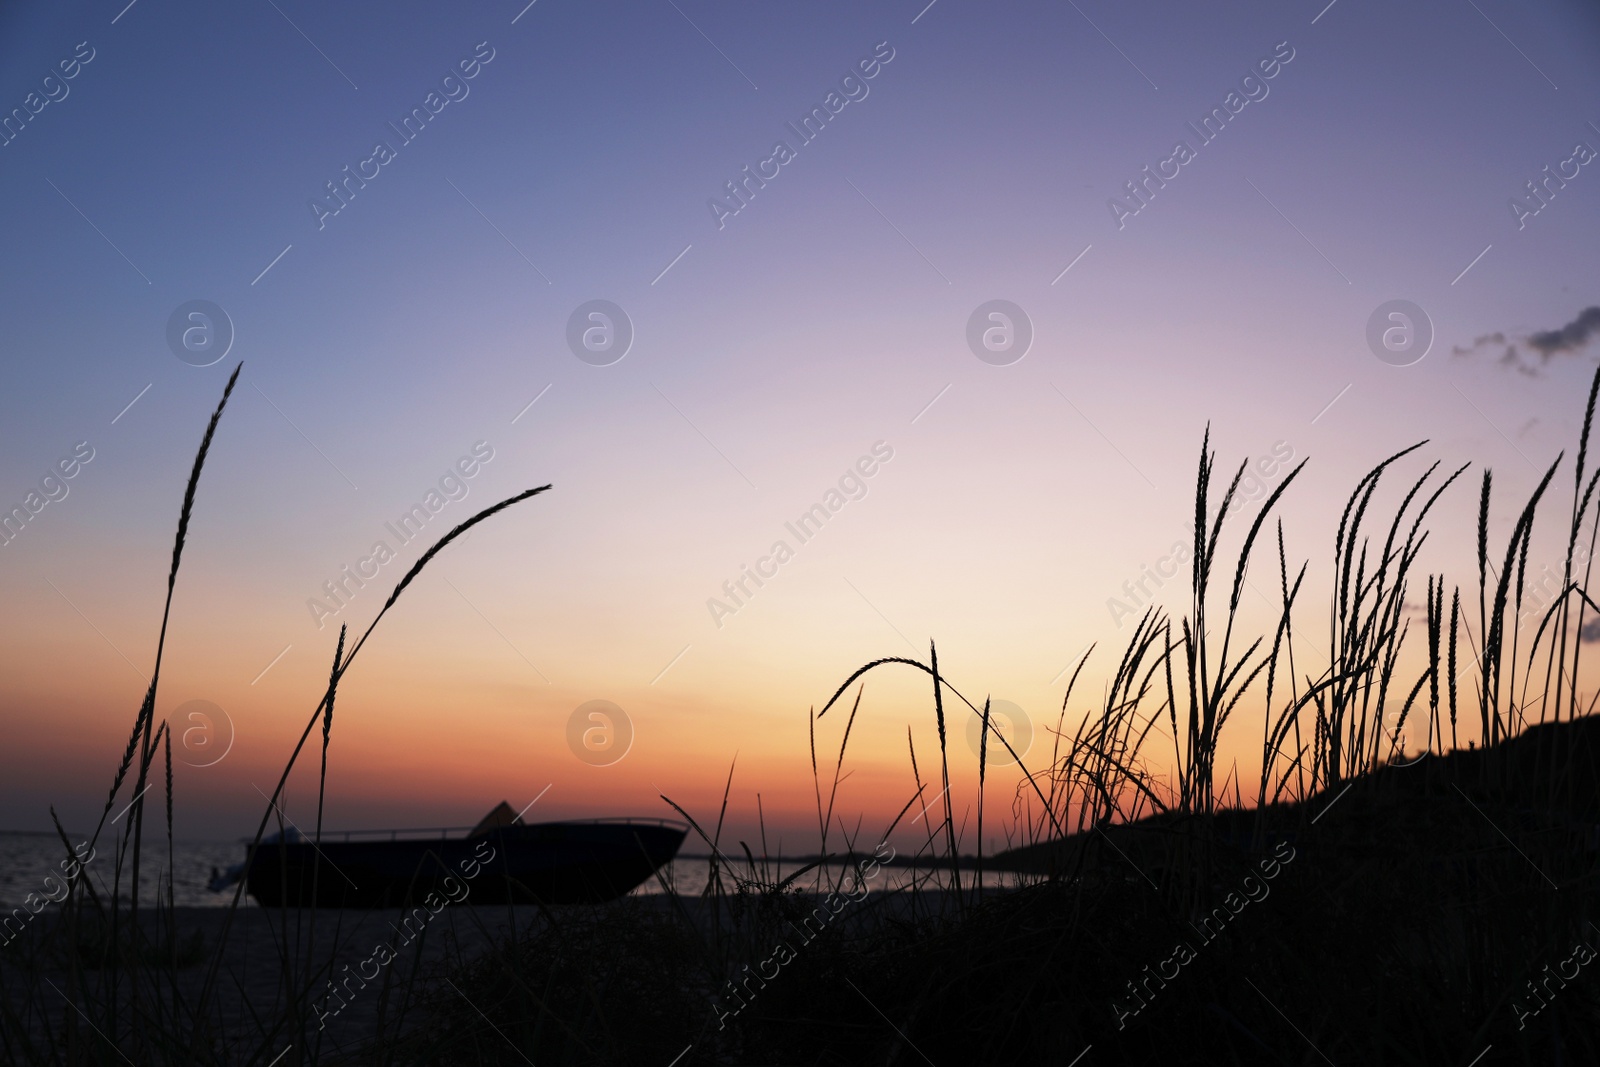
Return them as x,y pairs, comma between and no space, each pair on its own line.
760,347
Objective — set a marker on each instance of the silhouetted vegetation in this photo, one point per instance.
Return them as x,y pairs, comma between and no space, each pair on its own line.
1355,903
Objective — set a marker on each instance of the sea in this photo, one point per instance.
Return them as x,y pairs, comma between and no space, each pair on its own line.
33,863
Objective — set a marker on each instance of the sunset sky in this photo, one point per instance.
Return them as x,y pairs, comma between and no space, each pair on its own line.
425,323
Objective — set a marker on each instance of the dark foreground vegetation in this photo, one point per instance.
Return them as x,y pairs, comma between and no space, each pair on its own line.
1411,877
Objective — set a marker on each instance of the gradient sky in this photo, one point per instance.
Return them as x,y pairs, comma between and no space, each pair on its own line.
776,350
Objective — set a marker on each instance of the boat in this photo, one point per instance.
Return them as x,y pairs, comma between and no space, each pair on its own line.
502,860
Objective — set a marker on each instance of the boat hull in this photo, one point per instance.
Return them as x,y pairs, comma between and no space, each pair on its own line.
545,863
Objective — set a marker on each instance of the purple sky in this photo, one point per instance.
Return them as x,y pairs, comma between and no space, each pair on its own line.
987,157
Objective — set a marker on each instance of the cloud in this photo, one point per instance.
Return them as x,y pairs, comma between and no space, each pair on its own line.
1569,338
1545,344
1590,632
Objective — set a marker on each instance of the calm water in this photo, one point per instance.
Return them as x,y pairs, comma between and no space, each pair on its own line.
27,859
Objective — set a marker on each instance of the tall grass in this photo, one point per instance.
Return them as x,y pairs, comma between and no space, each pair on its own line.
1324,726
1115,839
1119,853
121,1000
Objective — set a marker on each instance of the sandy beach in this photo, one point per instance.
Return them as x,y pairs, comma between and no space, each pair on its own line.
268,952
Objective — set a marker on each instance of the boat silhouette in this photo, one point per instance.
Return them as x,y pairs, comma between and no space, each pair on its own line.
502,860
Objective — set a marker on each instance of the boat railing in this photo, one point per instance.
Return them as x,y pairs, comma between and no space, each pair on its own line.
419,833
444,833
676,824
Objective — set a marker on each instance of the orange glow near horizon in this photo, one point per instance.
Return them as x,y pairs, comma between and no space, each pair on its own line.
817,370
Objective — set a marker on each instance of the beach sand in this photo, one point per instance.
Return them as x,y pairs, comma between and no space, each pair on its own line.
250,998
